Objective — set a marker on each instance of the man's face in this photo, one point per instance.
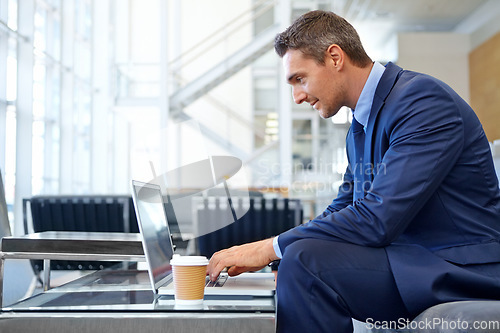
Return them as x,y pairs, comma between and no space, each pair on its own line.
319,85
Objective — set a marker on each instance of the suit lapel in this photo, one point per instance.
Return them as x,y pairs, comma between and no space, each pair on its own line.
387,82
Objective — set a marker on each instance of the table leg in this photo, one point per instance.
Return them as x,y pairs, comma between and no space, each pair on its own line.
46,274
2,261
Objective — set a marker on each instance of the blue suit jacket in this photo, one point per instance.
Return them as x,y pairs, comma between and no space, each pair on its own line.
430,189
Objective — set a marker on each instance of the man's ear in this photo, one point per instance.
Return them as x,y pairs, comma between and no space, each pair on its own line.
336,55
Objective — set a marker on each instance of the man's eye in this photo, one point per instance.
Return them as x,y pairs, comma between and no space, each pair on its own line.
299,79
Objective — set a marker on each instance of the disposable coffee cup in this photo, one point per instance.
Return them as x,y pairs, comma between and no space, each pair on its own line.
189,278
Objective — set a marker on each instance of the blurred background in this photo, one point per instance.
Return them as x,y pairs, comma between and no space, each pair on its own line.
91,91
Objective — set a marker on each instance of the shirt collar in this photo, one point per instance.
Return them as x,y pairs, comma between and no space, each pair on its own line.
365,101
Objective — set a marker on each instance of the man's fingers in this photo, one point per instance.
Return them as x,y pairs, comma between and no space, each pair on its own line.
242,258
216,265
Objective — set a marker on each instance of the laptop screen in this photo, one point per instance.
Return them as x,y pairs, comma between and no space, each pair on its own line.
153,225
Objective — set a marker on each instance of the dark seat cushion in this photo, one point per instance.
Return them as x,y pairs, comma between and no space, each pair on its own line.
459,317
453,317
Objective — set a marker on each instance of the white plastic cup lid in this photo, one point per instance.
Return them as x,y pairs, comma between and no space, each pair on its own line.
178,260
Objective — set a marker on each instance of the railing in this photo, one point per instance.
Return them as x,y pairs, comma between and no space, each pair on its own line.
221,35
136,74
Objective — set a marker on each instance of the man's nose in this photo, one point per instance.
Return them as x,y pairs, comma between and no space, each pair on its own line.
299,95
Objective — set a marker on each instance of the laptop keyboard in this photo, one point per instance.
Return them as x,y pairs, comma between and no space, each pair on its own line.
219,282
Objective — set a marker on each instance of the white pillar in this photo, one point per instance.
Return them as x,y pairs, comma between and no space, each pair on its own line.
24,110
100,101
164,79
3,83
49,172
121,154
66,113
283,16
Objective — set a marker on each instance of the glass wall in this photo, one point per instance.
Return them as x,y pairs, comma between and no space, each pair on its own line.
46,96
8,95
50,42
81,85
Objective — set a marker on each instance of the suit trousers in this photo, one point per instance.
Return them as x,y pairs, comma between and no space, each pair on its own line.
323,284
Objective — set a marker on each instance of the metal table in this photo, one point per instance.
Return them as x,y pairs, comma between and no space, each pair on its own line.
122,301
59,245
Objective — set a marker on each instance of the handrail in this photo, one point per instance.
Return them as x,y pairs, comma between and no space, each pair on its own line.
235,115
8,29
267,5
228,111
231,113
259,8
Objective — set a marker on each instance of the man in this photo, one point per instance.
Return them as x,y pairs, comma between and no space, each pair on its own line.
417,218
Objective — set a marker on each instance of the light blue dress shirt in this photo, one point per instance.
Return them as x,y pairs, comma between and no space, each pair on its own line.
361,113
362,110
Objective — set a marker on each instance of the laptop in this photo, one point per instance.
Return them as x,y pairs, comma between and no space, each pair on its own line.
159,249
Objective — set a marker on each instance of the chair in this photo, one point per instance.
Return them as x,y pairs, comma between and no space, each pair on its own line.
265,218
89,213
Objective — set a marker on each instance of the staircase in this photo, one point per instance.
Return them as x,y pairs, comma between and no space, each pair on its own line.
222,71
202,85
130,75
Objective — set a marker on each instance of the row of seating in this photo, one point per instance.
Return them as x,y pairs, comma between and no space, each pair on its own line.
265,218
112,213
115,213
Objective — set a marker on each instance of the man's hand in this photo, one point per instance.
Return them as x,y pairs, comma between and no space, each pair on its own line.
243,258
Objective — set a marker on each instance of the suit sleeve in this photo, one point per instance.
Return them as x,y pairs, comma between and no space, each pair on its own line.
425,133
344,197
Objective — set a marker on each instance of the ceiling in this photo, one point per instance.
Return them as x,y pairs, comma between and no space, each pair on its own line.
411,15
379,21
